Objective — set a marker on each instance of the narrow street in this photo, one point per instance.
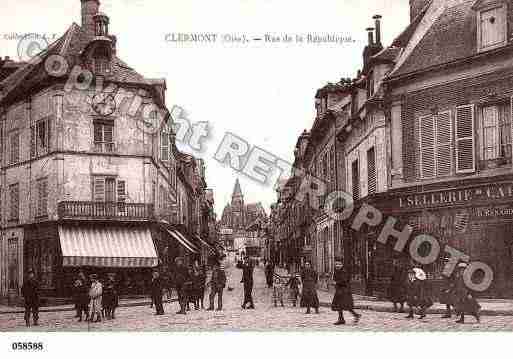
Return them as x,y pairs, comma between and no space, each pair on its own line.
264,317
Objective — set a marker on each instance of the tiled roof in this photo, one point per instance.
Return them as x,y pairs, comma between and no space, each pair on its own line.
451,36
387,54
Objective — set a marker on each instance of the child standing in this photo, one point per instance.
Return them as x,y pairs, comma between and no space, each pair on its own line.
278,289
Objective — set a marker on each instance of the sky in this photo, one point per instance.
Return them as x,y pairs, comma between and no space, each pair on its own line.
261,91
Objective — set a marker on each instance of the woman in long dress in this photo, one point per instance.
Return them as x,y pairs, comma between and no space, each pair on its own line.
343,298
95,295
309,298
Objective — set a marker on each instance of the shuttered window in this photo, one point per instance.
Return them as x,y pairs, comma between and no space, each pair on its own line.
465,153
496,134
14,199
103,136
42,197
15,148
164,145
355,173
492,28
371,170
443,144
427,146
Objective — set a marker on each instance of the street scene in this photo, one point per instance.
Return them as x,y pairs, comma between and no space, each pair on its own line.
373,192
264,317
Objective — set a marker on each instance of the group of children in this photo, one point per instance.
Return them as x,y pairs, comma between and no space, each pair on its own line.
283,283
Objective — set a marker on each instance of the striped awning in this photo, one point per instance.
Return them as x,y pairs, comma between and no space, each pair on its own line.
205,243
114,247
182,240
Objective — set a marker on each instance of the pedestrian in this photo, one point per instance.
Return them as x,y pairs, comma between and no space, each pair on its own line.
397,288
247,280
156,292
30,292
95,299
188,288
293,285
269,273
465,302
278,289
199,278
110,296
81,293
309,298
343,298
417,293
447,295
181,277
217,284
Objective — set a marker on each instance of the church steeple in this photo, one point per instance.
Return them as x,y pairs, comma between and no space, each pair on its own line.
237,192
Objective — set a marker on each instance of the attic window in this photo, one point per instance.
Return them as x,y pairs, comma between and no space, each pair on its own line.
101,65
491,27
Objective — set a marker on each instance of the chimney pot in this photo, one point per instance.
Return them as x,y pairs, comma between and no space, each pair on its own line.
370,33
377,19
89,9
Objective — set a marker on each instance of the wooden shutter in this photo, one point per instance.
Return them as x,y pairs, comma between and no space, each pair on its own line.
121,191
427,146
99,189
443,144
465,144
371,170
32,141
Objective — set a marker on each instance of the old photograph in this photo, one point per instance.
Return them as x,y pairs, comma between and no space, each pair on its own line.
334,166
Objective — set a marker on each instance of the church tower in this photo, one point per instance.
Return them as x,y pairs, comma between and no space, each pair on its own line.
238,207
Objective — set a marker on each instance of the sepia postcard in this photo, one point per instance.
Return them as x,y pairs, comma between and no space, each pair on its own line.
329,166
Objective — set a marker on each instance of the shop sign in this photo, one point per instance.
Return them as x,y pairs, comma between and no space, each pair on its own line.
489,192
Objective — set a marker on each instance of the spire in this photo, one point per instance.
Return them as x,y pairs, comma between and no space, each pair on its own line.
237,192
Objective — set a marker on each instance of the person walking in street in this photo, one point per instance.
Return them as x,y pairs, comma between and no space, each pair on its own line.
181,277
95,297
397,289
110,297
30,293
293,285
417,293
447,295
198,283
247,280
278,289
343,298
217,284
156,292
81,290
309,298
269,273
465,302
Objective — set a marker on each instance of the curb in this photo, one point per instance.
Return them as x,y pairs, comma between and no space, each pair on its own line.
71,309
379,308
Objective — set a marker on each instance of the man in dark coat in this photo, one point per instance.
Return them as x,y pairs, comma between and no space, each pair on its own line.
156,292
181,278
397,289
269,273
309,298
81,292
447,295
247,280
110,296
30,292
217,284
343,298
465,303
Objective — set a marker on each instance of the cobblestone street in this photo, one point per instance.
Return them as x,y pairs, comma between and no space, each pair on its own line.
264,317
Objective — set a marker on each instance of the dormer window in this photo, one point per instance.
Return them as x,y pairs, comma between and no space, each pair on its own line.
491,26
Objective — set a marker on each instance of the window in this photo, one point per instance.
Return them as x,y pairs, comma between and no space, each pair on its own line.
42,197
104,136
14,199
435,140
15,148
108,189
40,138
101,66
164,146
371,170
496,134
355,172
492,28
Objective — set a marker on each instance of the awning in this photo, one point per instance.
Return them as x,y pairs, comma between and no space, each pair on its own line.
120,247
205,243
182,240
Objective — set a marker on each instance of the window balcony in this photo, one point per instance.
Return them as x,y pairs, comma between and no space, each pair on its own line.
87,210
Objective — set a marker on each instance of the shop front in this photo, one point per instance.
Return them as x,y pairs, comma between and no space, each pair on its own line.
473,216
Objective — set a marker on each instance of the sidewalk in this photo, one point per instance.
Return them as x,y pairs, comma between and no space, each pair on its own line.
70,307
488,307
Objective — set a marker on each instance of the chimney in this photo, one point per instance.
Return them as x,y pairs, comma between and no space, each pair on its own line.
377,19
416,6
89,9
370,33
